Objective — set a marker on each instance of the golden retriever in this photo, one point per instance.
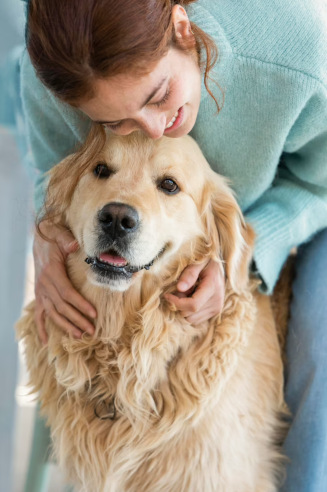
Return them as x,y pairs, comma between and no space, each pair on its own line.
151,403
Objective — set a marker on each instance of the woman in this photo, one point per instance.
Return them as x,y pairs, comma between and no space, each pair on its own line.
137,66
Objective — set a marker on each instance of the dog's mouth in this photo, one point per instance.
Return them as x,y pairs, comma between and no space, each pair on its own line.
111,264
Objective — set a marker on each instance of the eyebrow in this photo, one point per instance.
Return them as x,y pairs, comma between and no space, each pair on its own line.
149,97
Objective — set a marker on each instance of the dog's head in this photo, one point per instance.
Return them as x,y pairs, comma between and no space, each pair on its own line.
134,204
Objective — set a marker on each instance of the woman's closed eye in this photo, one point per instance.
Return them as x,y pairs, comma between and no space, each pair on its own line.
113,126
164,99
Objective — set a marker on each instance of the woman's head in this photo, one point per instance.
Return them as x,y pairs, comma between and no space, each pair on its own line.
86,50
163,101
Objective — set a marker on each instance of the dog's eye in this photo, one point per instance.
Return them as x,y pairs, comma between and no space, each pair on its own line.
102,170
168,186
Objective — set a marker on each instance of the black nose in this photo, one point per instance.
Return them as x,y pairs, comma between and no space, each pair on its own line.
118,220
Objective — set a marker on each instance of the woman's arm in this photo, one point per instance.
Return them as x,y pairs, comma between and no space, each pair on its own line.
288,214
294,208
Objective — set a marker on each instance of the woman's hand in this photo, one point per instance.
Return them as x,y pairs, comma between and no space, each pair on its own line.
54,293
206,300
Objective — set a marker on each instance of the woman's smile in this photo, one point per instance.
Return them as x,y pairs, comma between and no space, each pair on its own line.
175,122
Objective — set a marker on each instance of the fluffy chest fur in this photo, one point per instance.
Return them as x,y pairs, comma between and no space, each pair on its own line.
193,407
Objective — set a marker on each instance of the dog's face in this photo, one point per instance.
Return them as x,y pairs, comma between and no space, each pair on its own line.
137,202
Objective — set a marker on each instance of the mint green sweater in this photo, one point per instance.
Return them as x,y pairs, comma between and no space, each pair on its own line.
270,138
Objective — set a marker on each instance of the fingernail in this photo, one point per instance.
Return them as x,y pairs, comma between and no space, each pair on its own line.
182,286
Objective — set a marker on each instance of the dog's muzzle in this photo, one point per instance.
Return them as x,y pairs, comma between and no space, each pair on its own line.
118,226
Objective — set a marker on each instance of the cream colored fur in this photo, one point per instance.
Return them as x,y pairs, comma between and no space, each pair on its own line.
198,408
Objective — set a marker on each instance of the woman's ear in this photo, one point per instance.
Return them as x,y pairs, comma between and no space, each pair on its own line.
235,237
181,23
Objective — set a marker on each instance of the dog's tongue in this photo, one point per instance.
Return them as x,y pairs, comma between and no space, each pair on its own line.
113,259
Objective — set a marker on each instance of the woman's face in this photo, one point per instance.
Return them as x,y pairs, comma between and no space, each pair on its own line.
164,102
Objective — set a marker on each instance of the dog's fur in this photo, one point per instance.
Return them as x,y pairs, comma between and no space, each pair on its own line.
197,408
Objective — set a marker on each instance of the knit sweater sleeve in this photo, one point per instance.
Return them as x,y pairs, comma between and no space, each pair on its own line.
54,129
294,208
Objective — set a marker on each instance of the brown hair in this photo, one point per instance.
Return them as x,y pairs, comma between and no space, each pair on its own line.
72,42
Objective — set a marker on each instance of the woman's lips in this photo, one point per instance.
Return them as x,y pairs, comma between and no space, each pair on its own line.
178,120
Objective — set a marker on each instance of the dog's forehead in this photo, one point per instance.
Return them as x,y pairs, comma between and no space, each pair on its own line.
136,153
183,151
127,151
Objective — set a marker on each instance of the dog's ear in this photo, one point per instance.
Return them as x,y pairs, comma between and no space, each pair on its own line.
63,178
232,239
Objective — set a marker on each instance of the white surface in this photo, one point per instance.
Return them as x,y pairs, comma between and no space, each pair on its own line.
14,226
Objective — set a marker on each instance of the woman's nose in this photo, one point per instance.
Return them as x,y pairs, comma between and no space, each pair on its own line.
153,125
